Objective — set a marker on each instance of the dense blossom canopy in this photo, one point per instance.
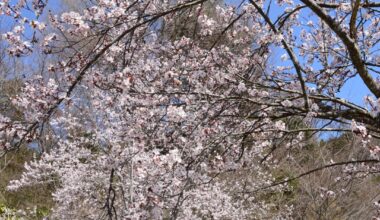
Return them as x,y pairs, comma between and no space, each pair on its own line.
136,121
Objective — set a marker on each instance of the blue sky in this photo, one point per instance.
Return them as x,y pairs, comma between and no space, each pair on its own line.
354,90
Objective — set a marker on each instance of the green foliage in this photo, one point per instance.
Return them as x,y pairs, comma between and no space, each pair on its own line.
8,90
293,185
37,198
335,145
36,213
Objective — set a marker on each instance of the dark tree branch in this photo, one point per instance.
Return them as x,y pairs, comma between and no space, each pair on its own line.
313,171
290,52
352,47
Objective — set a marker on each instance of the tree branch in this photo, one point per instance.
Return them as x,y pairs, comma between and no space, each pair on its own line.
350,44
313,171
364,5
290,52
355,9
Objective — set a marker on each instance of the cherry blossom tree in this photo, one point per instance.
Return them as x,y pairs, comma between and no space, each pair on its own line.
144,125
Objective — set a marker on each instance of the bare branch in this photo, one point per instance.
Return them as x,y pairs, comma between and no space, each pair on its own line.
313,171
355,9
350,44
290,52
